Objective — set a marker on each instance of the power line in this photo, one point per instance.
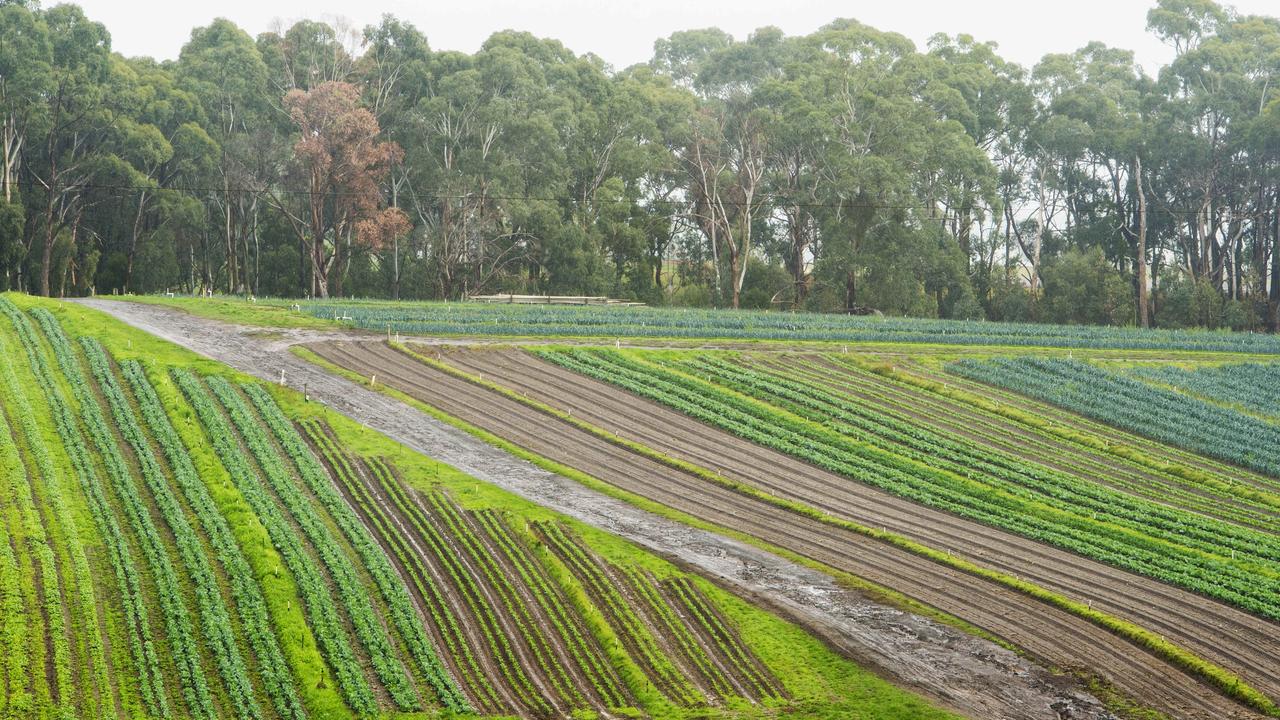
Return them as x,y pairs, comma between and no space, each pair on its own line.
773,200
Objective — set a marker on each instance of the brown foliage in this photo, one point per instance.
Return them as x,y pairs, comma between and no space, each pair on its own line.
342,162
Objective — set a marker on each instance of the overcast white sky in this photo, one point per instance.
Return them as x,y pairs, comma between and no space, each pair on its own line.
623,33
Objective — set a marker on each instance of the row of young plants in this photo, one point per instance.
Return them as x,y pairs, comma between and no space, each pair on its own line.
614,322
1253,386
169,594
729,643
381,524
215,620
88,629
26,629
322,612
17,700
663,616
586,654
393,591
828,448
142,648
1163,415
28,533
1212,496
1163,458
513,606
351,592
621,616
251,606
814,402
463,581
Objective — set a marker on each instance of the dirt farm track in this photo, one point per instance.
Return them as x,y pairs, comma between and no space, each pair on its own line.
960,671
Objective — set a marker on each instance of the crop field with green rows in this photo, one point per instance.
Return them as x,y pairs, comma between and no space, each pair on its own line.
418,318
179,541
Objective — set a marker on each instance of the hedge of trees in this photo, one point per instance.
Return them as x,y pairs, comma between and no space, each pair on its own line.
844,170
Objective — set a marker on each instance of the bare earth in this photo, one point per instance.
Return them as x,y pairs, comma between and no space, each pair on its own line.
970,675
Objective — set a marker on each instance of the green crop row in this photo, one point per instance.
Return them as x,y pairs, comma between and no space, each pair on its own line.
1163,415
326,623
352,594
1079,430
729,643
17,699
31,534
613,322
445,618
381,524
1253,386
588,657
215,621
178,625
390,586
961,493
142,647
463,581
245,589
1009,474
1212,496
622,617
675,627
89,629
516,610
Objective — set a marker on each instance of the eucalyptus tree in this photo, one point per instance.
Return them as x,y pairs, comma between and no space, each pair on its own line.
65,125
1219,86
223,69
26,72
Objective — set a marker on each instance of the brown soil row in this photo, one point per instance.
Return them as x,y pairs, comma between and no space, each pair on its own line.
1242,642
1060,638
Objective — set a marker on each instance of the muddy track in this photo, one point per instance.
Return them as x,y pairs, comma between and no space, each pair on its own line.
956,670
1233,638
1032,625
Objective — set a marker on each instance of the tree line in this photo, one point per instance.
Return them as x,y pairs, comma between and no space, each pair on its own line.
844,170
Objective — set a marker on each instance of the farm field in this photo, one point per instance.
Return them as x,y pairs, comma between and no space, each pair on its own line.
785,502
182,541
946,479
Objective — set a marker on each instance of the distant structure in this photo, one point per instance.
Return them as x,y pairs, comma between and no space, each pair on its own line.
553,300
